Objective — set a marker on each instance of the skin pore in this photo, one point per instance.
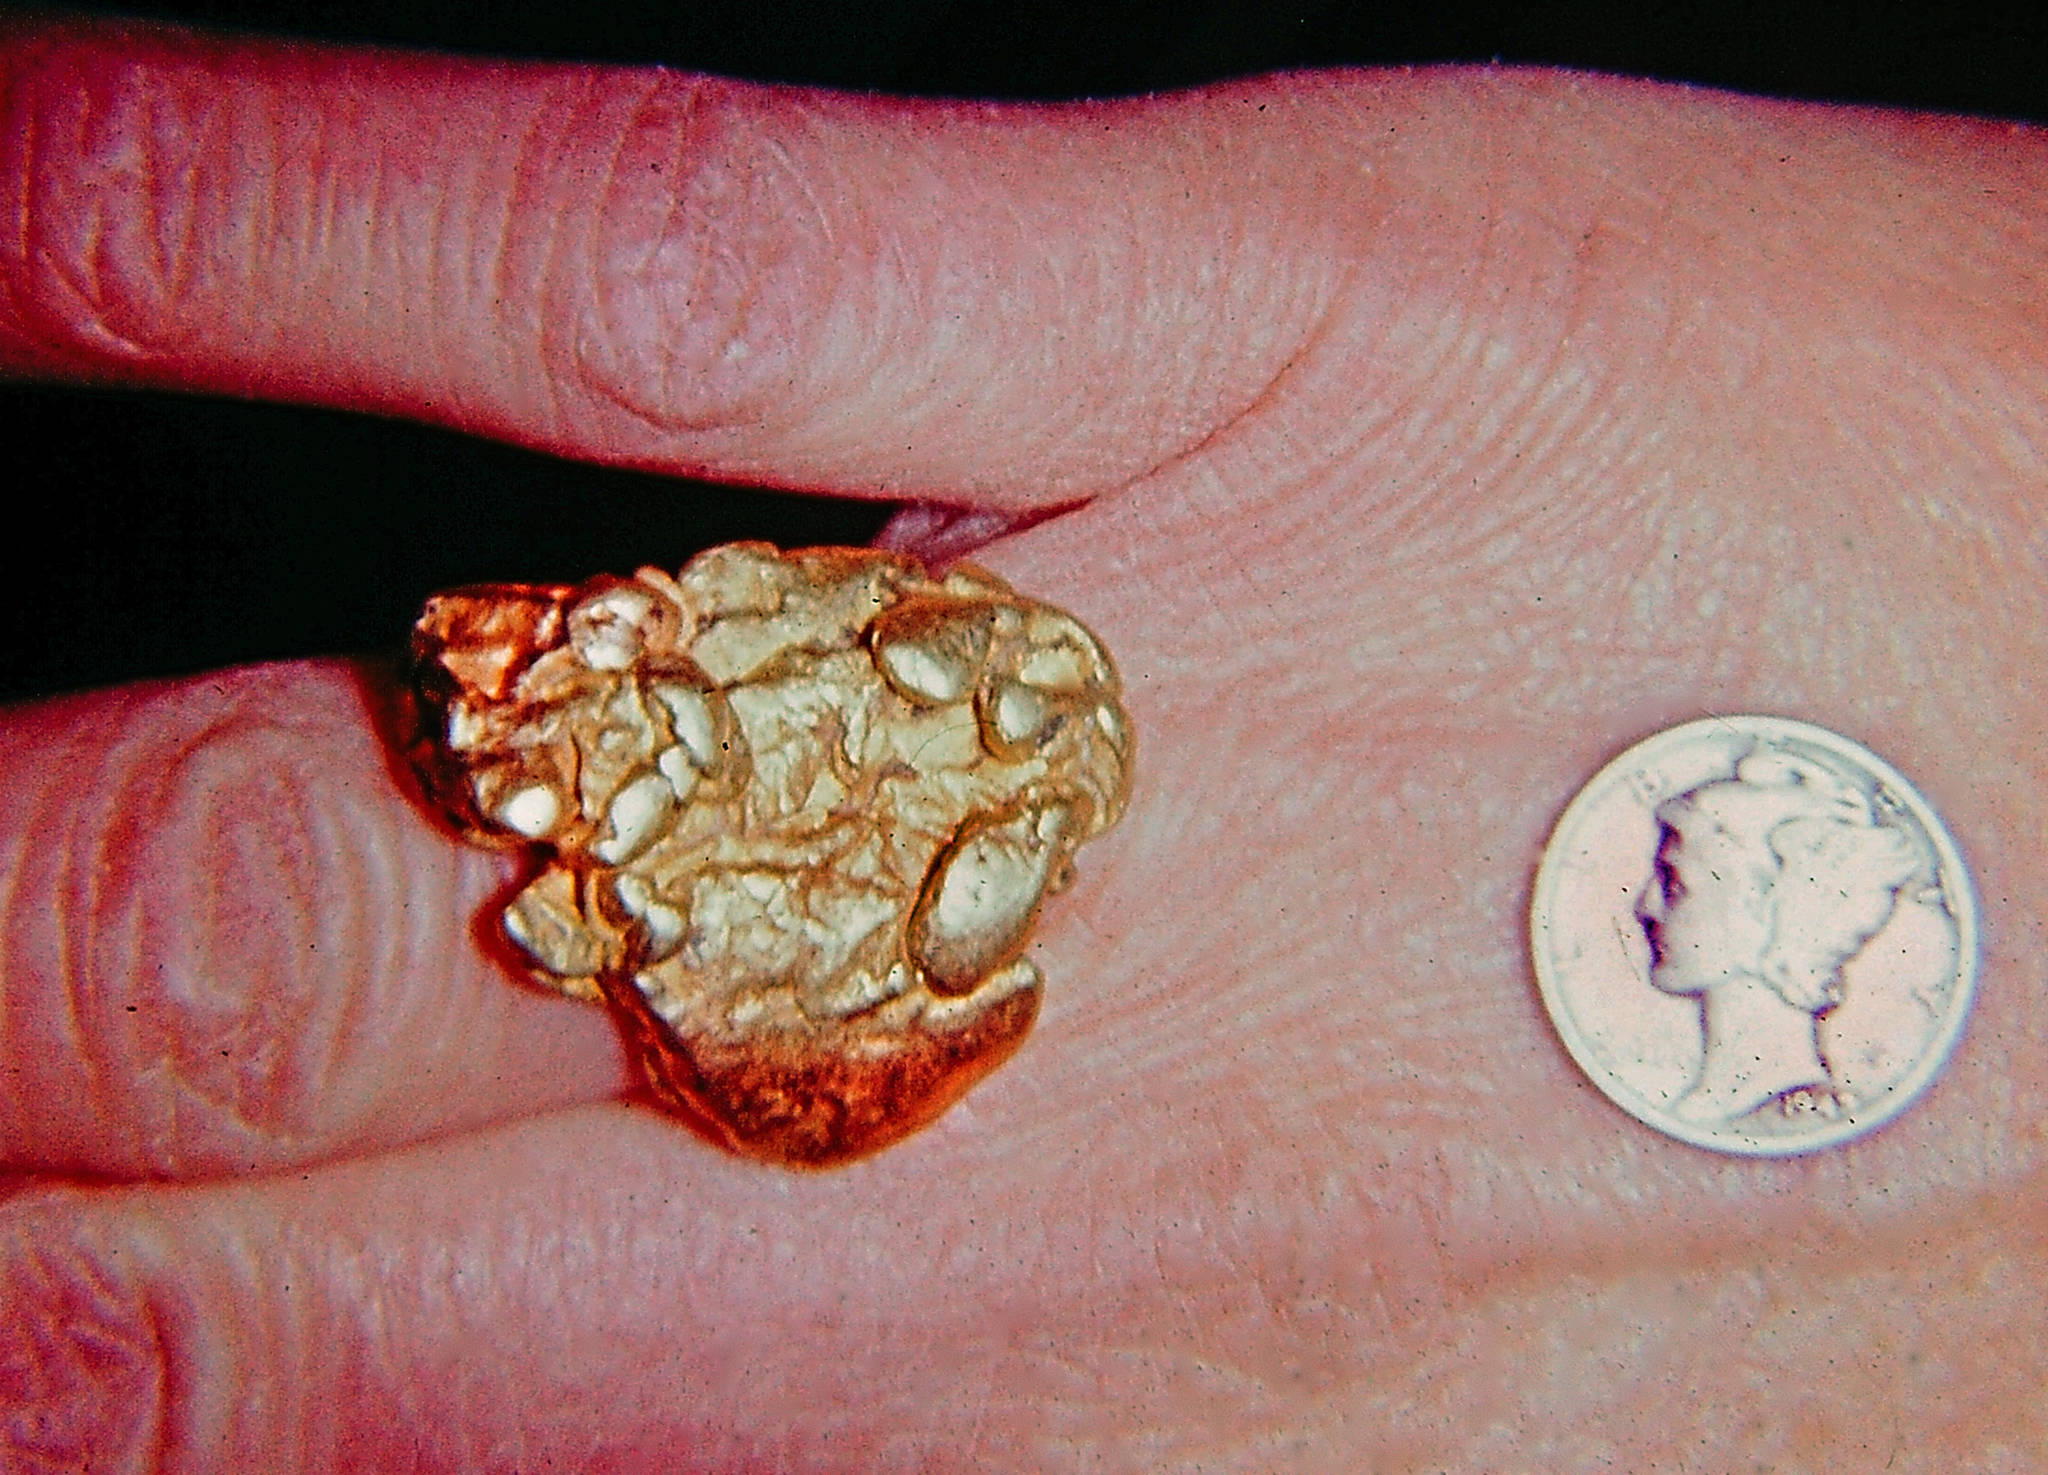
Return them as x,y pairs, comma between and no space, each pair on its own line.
1435,435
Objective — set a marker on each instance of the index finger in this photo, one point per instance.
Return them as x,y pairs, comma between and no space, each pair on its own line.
652,268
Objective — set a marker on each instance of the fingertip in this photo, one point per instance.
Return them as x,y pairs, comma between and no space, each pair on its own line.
233,943
1011,307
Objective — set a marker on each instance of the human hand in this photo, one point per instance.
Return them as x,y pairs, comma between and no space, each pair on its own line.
1424,438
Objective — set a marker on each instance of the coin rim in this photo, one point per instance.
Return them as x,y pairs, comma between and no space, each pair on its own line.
1956,884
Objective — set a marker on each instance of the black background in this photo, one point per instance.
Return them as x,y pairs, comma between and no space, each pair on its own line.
186,533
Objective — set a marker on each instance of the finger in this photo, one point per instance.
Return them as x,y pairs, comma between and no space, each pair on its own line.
1012,306
589,1291
229,942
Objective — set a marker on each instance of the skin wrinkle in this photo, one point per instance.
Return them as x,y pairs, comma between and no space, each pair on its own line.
1999,229
202,1305
324,234
1628,1193
80,1327
117,291
365,284
410,192
383,275
230,1063
220,1024
15,903
24,129
440,207
858,362
1675,1267
38,260
283,218
12,1084
488,310
350,1014
608,383
348,1022
546,267
1522,468
69,964
150,180
1988,403
545,254
77,269
306,212
84,282
287,1056
1376,447
463,321
784,167
255,210
1512,438
1257,1008
734,343
114,1053
172,1395
1292,345
1314,336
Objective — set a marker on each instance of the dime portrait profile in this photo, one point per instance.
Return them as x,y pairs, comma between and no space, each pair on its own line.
1765,885
1754,935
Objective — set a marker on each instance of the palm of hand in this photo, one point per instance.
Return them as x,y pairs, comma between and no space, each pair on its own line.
1368,695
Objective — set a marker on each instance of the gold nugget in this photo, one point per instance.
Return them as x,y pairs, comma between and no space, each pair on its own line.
798,812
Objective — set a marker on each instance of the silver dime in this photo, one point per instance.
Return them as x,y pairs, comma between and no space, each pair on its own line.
1754,935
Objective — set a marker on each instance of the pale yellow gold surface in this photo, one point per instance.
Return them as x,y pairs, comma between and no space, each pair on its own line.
798,811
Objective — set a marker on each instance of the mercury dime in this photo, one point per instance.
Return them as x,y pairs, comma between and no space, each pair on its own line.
1753,934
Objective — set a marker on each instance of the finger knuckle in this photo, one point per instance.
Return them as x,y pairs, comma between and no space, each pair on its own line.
710,270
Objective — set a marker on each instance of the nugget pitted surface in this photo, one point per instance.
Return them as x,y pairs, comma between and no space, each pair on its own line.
799,811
